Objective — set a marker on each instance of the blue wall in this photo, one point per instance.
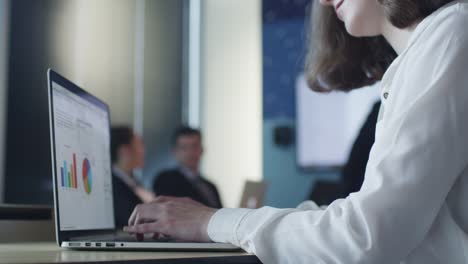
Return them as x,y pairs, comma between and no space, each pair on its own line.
284,40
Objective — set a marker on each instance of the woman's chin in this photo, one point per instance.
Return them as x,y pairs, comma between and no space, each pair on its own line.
356,30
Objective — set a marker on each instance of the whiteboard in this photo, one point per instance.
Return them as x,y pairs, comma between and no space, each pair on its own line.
328,123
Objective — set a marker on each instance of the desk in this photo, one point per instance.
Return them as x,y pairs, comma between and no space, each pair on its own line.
49,252
31,223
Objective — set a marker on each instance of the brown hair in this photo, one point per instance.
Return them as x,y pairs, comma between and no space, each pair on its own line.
120,135
339,61
183,131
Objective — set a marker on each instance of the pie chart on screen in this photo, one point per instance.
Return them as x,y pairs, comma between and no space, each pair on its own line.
87,176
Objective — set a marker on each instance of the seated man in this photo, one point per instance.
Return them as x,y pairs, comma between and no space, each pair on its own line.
127,153
186,180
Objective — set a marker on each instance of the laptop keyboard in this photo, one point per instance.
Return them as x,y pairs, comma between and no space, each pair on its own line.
133,239
121,238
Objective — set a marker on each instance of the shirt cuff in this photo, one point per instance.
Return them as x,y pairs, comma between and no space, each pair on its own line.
224,223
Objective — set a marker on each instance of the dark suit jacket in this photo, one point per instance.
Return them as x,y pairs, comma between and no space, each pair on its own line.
125,201
174,183
355,168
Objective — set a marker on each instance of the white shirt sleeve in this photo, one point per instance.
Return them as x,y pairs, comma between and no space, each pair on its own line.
418,154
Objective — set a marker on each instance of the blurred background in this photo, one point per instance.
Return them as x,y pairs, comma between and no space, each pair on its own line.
229,67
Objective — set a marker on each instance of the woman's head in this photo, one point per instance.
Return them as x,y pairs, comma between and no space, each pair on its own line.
127,148
347,50
360,17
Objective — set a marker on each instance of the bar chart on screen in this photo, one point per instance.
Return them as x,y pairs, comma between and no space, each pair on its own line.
68,174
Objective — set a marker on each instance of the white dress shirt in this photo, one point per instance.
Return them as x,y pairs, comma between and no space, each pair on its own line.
413,205
124,177
140,191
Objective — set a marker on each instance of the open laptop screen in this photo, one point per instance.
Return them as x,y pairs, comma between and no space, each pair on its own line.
82,160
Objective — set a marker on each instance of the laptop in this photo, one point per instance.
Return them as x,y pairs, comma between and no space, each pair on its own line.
82,178
253,195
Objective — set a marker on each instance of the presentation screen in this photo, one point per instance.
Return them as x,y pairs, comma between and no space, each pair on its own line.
328,123
82,147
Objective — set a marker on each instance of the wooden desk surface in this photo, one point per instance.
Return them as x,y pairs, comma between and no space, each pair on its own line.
49,252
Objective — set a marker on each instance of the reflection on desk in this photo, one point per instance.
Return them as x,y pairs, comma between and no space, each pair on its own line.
48,252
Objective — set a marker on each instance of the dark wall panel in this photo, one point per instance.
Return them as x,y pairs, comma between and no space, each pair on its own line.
27,177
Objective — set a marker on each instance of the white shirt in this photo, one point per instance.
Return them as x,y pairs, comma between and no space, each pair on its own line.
140,191
189,174
125,177
413,205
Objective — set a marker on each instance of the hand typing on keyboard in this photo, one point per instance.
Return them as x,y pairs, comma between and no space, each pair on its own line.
176,218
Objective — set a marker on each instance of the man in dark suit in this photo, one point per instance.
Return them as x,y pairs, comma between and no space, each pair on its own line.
186,179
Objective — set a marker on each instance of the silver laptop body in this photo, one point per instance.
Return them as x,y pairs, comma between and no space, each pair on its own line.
82,178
